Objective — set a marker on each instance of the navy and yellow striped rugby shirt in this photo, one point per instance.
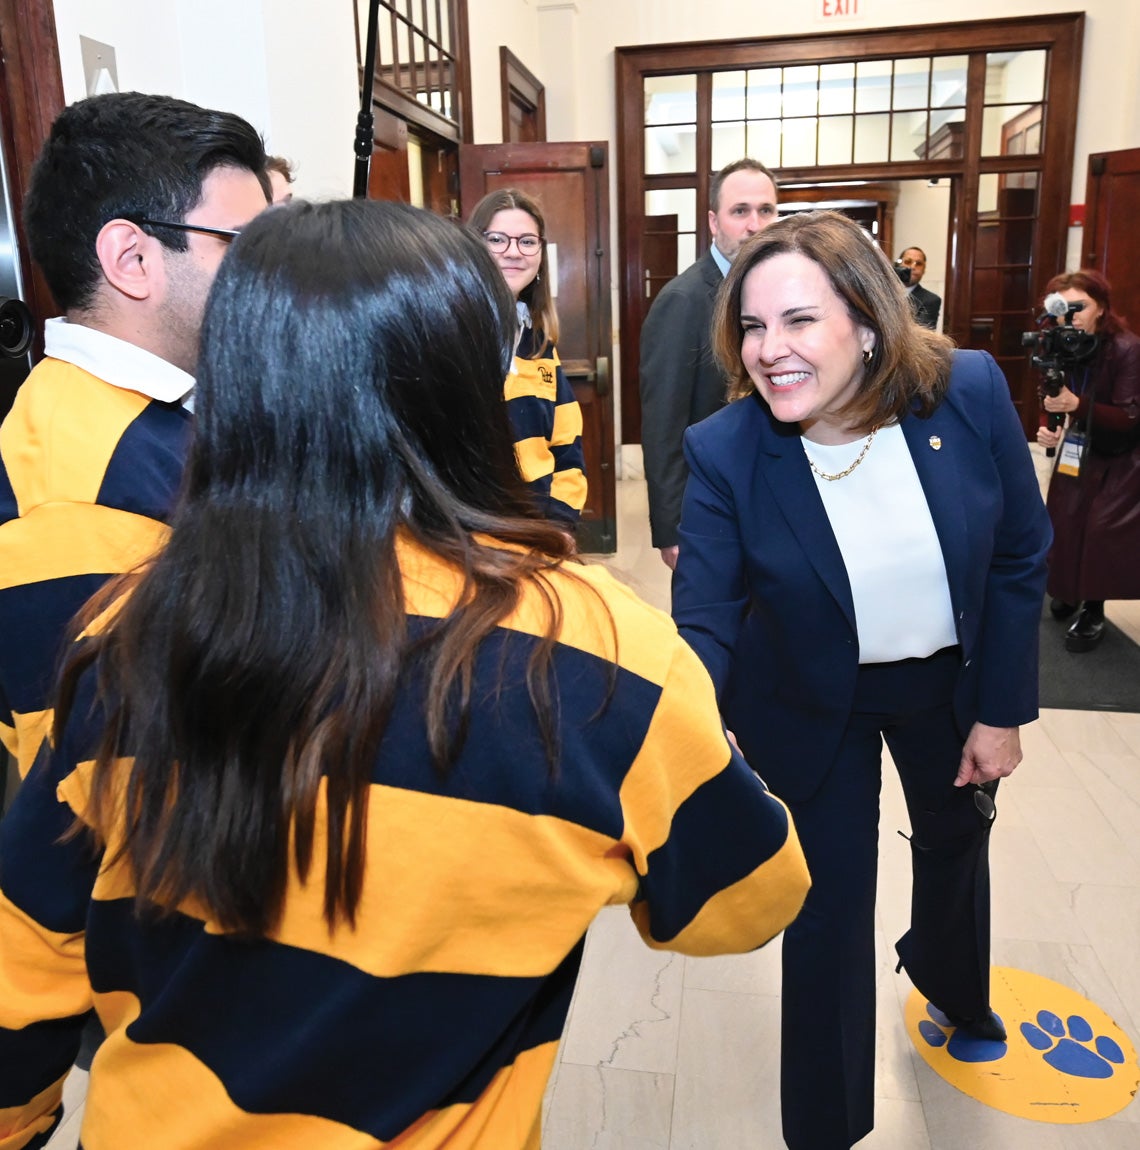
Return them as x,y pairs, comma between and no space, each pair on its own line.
435,1022
547,423
88,476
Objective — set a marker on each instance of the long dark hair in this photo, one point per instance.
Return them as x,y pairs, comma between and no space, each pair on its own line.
910,365
536,295
349,405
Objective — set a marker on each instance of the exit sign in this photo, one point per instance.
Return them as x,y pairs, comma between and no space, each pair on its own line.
832,8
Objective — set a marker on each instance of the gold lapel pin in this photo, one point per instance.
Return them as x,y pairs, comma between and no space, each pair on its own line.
936,442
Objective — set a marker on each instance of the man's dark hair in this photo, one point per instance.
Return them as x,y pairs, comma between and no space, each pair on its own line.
745,165
124,155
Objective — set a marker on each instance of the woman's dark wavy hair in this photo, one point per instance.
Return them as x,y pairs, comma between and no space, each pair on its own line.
910,365
1096,286
349,394
536,295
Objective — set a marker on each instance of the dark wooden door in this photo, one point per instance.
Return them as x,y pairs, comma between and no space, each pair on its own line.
31,96
1112,240
571,181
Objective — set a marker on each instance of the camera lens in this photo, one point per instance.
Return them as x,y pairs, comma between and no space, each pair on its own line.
16,328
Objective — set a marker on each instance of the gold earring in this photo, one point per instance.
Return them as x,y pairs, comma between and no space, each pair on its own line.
867,353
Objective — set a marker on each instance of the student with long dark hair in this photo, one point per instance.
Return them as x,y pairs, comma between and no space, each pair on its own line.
340,780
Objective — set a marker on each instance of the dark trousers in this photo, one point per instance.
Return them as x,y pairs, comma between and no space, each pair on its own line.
828,1015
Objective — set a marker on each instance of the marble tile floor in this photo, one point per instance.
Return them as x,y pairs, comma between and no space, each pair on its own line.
663,1052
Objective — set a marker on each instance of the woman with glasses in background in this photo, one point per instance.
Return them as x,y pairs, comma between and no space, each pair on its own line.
546,418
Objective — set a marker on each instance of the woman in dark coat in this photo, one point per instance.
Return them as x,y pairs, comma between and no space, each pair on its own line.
862,560
1096,511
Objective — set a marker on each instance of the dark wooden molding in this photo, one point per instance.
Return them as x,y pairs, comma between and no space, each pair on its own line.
1009,34
33,97
518,85
1060,35
462,48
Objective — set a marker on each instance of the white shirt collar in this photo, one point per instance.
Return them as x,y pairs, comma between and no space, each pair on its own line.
117,362
722,261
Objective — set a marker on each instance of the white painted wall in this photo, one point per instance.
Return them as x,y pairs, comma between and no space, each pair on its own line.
290,69
1109,108
495,23
1109,25
313,92
145,37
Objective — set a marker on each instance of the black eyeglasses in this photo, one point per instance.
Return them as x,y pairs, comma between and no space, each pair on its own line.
528,244
226,234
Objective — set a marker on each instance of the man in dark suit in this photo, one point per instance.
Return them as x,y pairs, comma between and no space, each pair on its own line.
679,379
925,304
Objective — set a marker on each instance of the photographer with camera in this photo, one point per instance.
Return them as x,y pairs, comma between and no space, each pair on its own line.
1092,404
924,305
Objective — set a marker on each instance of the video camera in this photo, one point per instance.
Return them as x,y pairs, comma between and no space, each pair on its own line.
902,271
1058,347
16,328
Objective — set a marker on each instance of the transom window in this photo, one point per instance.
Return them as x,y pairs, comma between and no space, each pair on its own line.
964,131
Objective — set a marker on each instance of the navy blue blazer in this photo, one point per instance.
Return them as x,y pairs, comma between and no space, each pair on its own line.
762,595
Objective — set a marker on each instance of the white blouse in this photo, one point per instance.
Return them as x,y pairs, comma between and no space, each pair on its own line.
882,524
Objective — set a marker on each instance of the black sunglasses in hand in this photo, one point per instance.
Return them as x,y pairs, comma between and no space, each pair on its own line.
984,802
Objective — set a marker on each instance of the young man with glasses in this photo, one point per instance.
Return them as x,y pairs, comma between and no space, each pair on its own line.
132,204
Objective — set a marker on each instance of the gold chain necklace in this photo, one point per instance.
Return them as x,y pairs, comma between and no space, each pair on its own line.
847,471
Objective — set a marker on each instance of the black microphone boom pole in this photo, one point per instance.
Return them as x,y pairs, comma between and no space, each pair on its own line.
364,120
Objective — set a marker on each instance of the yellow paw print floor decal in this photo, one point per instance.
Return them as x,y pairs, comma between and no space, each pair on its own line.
1064,1059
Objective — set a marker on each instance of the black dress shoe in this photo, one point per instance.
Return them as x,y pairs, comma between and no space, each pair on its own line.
988,1027
1059,609
1085,633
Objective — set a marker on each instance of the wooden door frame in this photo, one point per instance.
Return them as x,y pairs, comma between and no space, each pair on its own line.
591,380
1101,230
33,97
520,87
1060,34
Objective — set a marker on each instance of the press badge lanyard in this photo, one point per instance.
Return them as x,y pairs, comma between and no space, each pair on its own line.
1076,443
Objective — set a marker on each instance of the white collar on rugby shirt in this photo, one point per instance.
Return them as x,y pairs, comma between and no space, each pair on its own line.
117,362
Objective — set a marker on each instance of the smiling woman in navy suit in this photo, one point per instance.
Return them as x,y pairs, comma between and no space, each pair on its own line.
863,558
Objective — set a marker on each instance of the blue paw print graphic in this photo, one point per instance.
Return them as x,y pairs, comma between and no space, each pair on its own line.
962,1047
1066,1048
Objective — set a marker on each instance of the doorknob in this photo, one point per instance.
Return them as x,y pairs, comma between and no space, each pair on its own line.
602,375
